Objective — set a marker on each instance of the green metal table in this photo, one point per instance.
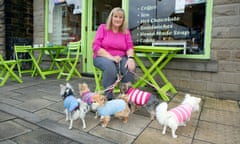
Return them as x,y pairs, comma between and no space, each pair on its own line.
158,58
53,52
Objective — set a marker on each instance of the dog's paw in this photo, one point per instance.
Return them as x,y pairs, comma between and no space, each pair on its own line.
70,127
174,136
104,125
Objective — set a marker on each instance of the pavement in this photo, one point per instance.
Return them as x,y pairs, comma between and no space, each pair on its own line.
32,113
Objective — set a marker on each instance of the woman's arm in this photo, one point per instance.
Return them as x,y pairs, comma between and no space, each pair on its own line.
130,64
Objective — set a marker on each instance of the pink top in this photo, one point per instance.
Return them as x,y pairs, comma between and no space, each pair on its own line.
138,97
182,112
114,43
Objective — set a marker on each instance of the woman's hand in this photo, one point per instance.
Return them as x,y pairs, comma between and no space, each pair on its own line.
130,64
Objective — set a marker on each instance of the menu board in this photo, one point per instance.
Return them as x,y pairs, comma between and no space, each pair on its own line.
151,21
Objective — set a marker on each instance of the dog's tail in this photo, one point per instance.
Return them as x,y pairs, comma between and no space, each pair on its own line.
161,112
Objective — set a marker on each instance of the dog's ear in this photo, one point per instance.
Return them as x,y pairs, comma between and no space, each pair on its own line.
198,100
187,95
103,98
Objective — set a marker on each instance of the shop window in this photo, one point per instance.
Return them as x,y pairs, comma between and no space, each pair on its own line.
101,10
64,21
178,23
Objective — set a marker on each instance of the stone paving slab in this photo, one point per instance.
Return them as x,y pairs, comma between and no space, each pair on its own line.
73,134
226,105
10,101
11,129
221,117
135,125
217,133
41,136
33,105
154,136
19,113
57,107
48,114
200,142
4,116
7,142
26,124
112,135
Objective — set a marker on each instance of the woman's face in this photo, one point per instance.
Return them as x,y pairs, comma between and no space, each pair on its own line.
117,19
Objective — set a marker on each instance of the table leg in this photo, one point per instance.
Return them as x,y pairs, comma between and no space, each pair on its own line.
167,85
53,57
147,75
36,64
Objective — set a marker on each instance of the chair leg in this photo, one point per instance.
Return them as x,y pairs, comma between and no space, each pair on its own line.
73,71
7,72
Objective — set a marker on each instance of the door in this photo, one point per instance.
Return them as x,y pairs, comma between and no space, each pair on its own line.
96,13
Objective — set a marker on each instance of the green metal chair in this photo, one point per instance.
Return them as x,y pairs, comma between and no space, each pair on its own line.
98,78
69,63
20,50
6,71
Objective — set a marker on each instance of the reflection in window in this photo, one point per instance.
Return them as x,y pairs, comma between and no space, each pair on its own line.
178,23
101,10
64,22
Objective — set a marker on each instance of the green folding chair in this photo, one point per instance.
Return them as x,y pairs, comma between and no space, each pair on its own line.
6,71
98,78
24,64
69,63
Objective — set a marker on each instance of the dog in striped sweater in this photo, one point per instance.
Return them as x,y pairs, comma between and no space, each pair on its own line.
138,98
177,116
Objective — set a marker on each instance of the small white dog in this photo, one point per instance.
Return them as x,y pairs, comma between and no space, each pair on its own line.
177,116
74,108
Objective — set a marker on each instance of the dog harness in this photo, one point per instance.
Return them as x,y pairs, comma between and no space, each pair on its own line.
111,107
70,103
138,97
182,112
87,97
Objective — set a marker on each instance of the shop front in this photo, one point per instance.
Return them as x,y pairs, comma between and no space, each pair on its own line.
174,23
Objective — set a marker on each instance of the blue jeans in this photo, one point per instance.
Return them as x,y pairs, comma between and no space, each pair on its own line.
110,71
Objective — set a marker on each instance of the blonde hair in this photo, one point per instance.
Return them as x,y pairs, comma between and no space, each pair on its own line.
123,27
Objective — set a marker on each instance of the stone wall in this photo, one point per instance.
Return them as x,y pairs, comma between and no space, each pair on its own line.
38,21
220,76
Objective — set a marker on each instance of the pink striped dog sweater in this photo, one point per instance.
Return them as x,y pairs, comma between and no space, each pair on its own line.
182,112
138,97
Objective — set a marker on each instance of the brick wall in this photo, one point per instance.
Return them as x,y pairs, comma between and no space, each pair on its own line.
2,28
18,24
220,76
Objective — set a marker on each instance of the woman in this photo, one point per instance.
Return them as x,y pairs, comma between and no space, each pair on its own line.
113,50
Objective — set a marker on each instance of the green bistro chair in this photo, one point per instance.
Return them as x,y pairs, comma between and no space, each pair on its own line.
6,71
20,50
98,79
69,63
